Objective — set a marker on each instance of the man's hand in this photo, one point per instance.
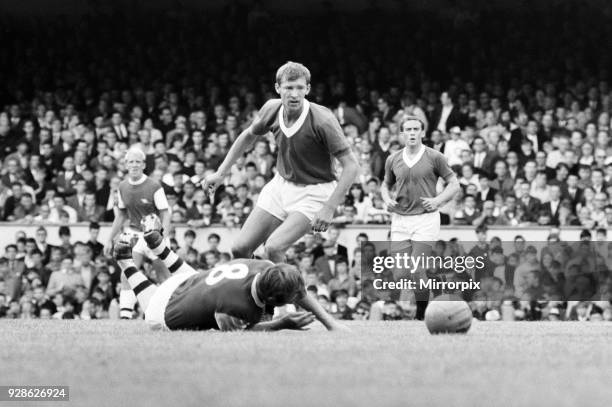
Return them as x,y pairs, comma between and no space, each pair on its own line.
296,320
108,248
430,204
323,218
390,202
212,182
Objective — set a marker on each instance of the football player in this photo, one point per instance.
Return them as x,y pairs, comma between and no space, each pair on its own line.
305,192
232,296
138,196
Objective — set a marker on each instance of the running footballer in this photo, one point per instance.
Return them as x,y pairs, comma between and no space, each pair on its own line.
305,193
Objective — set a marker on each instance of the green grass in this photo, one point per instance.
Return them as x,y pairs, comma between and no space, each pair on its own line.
115,363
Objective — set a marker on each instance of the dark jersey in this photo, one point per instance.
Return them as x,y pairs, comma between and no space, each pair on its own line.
306,149
415,179
141,199
227,289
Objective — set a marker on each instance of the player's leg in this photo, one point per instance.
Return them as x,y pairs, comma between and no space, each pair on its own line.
160,247
141,286
421,249
127,298
266,216
426,233
258,227
294,227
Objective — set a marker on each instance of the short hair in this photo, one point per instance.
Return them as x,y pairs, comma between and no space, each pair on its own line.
292,71
190,233
137,152
281,283
411,117
94,225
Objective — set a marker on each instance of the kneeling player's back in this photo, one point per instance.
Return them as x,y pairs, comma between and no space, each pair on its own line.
226,289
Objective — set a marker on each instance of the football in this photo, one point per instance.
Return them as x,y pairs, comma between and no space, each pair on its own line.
448,314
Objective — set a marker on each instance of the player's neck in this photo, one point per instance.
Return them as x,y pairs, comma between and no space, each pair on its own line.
135,180
414,149
291,116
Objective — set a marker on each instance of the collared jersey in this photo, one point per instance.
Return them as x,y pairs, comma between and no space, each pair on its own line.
415,179
306,149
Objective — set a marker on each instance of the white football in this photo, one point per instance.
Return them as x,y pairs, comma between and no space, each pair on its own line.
448,314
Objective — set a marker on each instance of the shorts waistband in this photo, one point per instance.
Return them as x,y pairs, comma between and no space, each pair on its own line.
417,214
297,184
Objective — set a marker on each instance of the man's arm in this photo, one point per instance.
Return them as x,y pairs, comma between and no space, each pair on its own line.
386,196
120,217
240,146
350,170
387,184
450,190
311,305
164,216
244,141
292,320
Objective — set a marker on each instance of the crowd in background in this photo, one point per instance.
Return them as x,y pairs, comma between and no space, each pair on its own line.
520,280
518,102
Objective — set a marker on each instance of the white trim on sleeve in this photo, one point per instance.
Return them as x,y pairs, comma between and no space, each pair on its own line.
159,197
120,203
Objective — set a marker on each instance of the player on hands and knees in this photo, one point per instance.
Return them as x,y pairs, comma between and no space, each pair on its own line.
138,196
414,171
229,297
304,194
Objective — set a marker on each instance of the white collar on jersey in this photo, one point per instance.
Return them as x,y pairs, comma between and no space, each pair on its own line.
290,131
411,163
256,298
140,181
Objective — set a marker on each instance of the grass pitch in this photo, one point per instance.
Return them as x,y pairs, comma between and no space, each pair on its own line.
123,363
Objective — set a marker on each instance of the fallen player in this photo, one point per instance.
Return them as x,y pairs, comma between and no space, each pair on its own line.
232,296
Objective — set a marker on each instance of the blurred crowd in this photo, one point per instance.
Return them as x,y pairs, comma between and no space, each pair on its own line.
528,133
520,280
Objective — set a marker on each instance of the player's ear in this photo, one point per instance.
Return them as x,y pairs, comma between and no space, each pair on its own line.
277,88
307,89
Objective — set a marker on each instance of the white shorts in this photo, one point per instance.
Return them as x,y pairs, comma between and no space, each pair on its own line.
280,197
421,228
156,310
